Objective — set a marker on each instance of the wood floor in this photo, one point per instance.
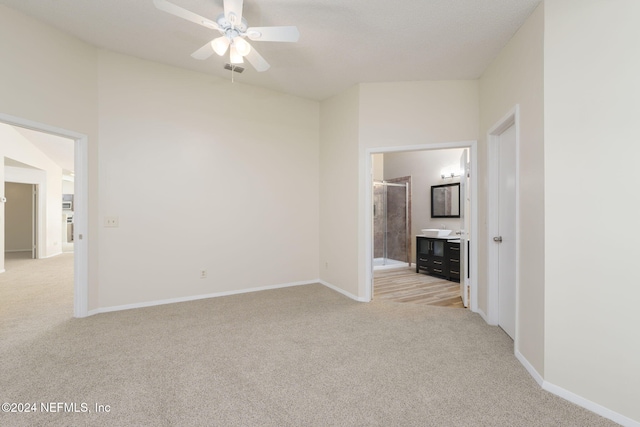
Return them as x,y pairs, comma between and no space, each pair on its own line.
405,285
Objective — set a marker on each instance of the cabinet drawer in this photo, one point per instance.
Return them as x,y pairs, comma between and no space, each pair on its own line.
453,248
440,271
423,260
439,262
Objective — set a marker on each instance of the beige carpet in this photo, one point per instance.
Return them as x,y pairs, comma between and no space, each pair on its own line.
302,356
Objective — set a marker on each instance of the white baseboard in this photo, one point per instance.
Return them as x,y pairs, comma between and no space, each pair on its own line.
529,367
51,256
589,405
196,297
574,398
342,291
483,315
18,250
220,294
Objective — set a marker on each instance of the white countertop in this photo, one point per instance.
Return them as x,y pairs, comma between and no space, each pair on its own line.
454,237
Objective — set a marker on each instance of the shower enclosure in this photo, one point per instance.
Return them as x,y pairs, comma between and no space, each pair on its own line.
391,223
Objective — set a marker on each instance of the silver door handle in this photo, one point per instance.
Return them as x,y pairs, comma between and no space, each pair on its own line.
498,239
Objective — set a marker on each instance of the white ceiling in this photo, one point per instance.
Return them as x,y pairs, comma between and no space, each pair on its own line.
342,42
60,150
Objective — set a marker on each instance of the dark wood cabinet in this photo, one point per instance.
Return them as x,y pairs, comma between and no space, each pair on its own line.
452,249
438,257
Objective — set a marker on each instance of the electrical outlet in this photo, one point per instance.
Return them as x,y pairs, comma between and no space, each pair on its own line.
111,221
203,274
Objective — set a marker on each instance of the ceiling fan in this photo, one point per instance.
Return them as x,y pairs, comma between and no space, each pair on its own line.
234,30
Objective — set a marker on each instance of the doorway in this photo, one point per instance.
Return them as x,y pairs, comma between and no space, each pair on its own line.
502,223
372,154
20,219
80,206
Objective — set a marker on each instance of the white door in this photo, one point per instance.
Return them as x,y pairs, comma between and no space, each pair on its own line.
464,219
506,238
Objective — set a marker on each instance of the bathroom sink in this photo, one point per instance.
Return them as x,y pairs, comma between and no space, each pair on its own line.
435,232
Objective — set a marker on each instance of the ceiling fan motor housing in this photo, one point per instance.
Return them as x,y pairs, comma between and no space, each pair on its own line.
225,25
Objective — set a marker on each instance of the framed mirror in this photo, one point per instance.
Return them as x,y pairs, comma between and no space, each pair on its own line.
445,201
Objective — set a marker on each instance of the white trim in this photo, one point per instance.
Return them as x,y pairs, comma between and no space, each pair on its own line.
198,297
474,245
368,227
81,227
589,405
368,217
483,315
574,398
17,250
493,135
81,254
343,292
51,256
422,147
529,367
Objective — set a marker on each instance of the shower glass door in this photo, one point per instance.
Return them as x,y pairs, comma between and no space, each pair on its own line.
391,240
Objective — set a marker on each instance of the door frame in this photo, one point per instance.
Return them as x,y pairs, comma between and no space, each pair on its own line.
81,206
37,180
512,118
35,217
368,214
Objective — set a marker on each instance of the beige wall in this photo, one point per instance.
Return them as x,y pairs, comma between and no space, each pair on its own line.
591,65
378,166
18,214
57,87
339,191
203,174
68,187
516,77
411,113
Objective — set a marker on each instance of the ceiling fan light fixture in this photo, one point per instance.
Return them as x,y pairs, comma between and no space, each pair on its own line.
233,29
220,45
242,47
234,56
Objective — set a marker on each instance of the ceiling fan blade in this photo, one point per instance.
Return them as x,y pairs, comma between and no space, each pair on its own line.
274,34
171,8
204,52
257,60
233,11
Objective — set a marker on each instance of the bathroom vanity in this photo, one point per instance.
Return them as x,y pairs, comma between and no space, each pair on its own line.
438,256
